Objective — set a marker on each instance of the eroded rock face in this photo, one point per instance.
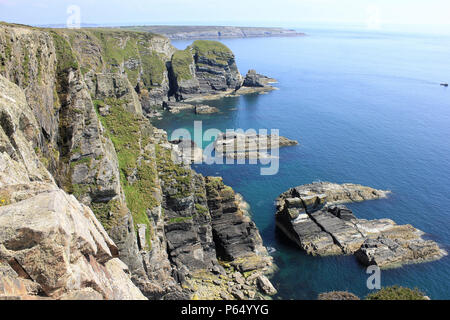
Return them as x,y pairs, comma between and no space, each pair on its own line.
309,216
206,67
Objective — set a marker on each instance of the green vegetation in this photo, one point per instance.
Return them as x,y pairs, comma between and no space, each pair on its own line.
66,61
396,293
126,132
87,161
113,53
201,209
213,50
109,214
172,174
181,60
79,190
65,56
26,66
179,220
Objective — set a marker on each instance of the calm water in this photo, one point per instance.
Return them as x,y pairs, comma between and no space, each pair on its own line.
367,108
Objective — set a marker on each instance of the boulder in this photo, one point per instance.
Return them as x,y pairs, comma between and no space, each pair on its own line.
266,286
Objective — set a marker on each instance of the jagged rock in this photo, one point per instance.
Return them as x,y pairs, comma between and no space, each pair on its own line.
266,286
19,163
309,216
188,150
87,80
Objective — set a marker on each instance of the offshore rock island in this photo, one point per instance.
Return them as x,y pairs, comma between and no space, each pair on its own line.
95,202
312,216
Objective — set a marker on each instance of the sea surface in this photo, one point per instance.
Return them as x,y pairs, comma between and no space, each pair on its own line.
367,107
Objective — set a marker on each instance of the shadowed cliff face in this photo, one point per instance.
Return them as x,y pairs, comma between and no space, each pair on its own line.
86,134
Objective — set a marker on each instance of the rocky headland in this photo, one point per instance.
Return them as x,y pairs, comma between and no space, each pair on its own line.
95,202
314,218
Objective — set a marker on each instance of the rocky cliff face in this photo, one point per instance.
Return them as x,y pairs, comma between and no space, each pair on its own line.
51,246
309,216
205,67
76,146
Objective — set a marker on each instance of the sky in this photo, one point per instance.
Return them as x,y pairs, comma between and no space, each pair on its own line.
283,13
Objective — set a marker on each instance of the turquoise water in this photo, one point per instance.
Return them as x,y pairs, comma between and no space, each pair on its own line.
366,108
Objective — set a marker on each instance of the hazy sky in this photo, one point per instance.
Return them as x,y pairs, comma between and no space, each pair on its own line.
292,13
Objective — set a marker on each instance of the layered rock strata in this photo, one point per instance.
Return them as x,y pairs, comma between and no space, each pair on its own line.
309,216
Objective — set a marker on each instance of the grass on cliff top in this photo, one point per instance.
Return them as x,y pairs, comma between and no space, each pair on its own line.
124,130
397,293
213,50
181,60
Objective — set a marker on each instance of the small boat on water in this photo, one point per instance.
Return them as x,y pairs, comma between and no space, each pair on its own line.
444,84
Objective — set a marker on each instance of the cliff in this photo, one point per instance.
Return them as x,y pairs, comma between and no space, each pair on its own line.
215,32
76,148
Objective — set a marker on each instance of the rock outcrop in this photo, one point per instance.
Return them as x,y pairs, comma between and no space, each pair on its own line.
253,79
309,216
237,145
51,245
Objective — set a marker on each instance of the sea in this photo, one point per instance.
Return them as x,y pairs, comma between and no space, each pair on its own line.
367,107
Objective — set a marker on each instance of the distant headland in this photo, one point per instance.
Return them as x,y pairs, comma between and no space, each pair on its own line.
215,32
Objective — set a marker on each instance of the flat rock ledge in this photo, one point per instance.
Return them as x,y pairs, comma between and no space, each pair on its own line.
237,145
314,218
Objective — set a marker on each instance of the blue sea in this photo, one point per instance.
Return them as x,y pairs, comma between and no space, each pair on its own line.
367,107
